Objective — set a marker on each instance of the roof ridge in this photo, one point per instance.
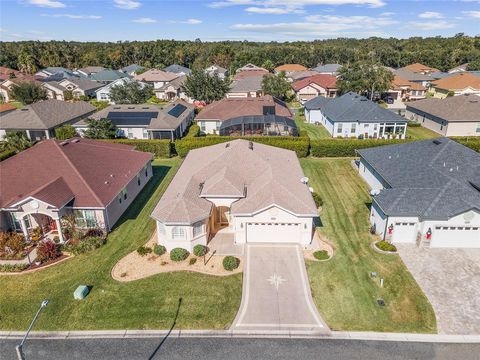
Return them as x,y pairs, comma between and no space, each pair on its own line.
437,198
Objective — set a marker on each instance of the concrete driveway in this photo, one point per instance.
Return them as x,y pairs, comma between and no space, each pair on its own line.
450,278
276,292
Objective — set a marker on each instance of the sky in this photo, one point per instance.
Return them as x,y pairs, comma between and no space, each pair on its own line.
216,20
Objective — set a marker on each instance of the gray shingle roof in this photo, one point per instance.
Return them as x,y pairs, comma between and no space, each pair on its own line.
85,84
108,75
352,107
330,68
252,83
453,109
132,67
178,69
431,179
411,76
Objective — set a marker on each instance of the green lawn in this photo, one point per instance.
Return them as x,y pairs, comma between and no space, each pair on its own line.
421,133
151,303
342,288
315,132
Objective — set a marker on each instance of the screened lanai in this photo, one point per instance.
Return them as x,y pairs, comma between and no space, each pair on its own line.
260,125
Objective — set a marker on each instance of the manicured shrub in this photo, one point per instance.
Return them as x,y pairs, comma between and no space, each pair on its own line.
13,267
414,124
193,131
230,263
144,250
47,250
200,250
6,154
386,246
192,261
321,255
178,254
318,199
159,250
346,147
468,141
160,148
85,245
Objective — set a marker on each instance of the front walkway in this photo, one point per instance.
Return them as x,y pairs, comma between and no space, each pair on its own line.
450,278
276,293
223,243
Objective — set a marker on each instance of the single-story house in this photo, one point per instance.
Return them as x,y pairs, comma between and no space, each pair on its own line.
458,84
251,67
313,86
452,116
424,192
422,79
174,90
132,69
7,85
248,87
107,76
90,70
264,115
81,87
39,120
250,192
145,121
8,73
405,90
328,69
299,75
418,68
178,69
156,78
352,115
459,68
103,93
287,69
52,70
216,70
54,90
94,180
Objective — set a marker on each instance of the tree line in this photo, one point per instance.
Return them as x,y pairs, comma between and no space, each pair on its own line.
439,52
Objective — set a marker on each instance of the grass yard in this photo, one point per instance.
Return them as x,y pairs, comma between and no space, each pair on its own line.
421,133
342,288
315,132
151,303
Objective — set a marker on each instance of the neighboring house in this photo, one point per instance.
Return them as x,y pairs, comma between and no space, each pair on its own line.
103,93
7,73
422,79
452,116
216,70
178,69
145,121
251,67
54,90
156,78
404,90
459,84
418,68
39,120
6,108
289,69
248,192
424,192
459,68
174,90
247,117
248,87
313,86
352,115
93,180
52,70
250,73
132,69
108,76
7,85
90,70
81,87
299,75
328,69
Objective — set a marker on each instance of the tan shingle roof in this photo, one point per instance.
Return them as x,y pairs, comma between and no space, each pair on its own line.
453,109
418,68
290,67
458,82
156,75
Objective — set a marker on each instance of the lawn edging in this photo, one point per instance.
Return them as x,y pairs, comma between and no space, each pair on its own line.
374,247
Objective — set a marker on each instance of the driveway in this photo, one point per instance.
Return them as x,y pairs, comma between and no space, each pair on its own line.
450,278
276,292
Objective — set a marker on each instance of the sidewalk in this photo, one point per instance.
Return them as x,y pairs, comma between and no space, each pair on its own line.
335,335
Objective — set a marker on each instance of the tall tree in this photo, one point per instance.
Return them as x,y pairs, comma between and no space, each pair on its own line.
203,87
28,92
15,141
276,86
131,93
100,129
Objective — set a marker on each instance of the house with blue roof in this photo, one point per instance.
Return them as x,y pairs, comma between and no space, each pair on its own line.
354,116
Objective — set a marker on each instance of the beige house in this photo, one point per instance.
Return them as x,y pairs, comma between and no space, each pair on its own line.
459,84
313,86
452,116
158,79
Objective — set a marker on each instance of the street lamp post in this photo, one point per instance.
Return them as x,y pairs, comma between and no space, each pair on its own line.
20,354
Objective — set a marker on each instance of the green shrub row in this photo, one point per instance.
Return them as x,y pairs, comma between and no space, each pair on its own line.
346,147
13,267
414,124
85,245
6,154
160,148
193,131
469,141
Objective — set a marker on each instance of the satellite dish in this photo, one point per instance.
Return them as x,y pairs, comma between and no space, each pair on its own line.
304,180
374,192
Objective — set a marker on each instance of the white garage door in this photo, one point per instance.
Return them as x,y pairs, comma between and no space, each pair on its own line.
456,237
404,232
273,232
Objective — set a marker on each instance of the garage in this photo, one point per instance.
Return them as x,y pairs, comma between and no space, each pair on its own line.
404,232
456,237
273,232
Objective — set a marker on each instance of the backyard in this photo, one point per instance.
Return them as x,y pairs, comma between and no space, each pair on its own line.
151,303
314,132
342,288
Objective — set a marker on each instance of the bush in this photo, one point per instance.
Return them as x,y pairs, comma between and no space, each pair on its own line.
94,232
47,250
160,148
200,250
144,250
192,261
159,250
178,254
385,246
346,147
6,154
65,132
13,268
230,263
193,131
11,244
321,255
318,199
85,245
414,124
468,141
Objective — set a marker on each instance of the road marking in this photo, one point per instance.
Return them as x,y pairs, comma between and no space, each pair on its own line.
276,280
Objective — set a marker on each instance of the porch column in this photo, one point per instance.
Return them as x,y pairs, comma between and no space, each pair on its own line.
59,228
171,133
23,224
47,134
28,134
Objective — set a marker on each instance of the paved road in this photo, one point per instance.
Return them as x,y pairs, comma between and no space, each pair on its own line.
233,349
276,293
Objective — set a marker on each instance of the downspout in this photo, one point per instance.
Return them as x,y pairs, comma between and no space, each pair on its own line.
385,230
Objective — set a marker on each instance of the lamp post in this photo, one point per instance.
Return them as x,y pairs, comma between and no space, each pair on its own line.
20,354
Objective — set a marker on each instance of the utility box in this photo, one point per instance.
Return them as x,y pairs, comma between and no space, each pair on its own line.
81,292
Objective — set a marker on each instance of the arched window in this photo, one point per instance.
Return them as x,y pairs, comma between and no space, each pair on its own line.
178,232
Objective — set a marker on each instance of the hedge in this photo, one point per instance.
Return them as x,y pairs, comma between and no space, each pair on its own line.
471,142
193,131
6,154
161,148
298,144
346,147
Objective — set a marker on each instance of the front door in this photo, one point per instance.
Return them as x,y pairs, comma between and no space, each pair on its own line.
223,215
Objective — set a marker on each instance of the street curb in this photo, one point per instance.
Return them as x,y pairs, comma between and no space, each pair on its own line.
292,334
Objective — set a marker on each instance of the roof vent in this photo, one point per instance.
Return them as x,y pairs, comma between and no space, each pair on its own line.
63,143
24,109
111,175
117,107
437,142
75,141
131,107
250,145
304,180
227,145
106,183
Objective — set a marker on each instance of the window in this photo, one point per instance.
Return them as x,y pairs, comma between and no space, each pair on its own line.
478,128
354,128
16,222
202,126
146,170
178,233
103,96
145,133
130,133
218,125
138,180
85,218
339,128
124,193
198,228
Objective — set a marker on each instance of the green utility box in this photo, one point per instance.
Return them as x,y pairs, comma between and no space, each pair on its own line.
81,292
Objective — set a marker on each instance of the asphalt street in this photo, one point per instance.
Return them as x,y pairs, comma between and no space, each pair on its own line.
236,348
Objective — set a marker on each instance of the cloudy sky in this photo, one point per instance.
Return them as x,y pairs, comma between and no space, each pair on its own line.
258,20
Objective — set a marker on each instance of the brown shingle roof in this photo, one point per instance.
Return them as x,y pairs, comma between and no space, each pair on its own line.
229,108
5,74
156,75
453,109
290,67
398,82
324,80
458,82
418,68
93,171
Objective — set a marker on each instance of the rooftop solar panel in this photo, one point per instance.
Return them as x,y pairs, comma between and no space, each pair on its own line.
177,110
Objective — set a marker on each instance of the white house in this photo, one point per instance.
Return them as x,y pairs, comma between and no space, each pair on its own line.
248,192
103,94
424,192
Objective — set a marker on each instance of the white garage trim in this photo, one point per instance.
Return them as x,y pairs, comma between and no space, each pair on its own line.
461,236
271,232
